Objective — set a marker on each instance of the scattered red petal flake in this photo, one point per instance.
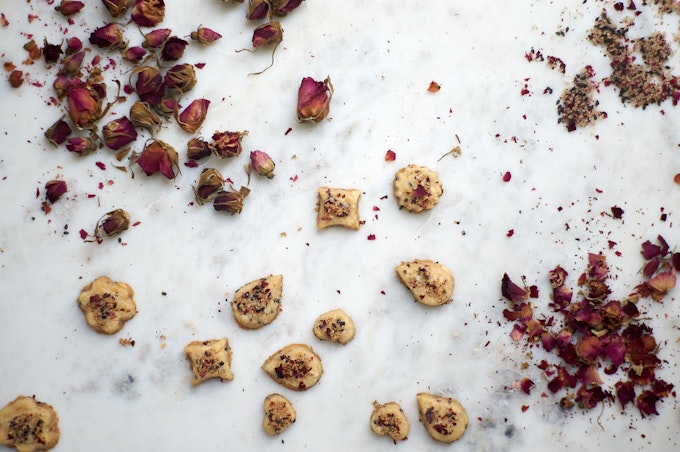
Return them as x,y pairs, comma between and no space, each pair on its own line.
83,234
507,176
371,237
199,65
510,233
527,385
390,156
376,208
676,178
524,408
294,178
100,165
136,223
434,87
289,130
3,20
191,164
617,212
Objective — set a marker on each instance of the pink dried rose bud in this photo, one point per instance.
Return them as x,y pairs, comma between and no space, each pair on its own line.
55,188
143,116
173,49
116,7
262,164
51,52
118,133
314,99
81,145
270,33
230,201
113,223
155,38
192,117
149,84
197,149
73,45
69,8
227,144
181,77
283,7
61,85
148,13
58,132
210,182
257,9
158,156
134,54
72,63
108,36
84,105
205,35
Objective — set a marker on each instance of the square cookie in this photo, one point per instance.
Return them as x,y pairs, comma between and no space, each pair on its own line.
338,207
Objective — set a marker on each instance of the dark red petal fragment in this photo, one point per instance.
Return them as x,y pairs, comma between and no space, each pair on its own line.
649,250
646,403
617,212
625,392
512,291
526,384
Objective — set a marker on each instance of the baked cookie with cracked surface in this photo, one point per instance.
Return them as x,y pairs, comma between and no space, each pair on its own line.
29,425
338,207
279,414
295,366
389,419
416,188
444,418
334,326
430,283
209,359
258,302
107,304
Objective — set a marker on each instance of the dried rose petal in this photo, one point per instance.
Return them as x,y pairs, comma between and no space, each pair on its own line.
81,145
390,155
149,84
257,9
625,392
270,33
118,133
55,188
191,118
116,7
615,350
84,106
181,77
589,348
158,156
51,52
173,48
658,286
69,7
227,144
143,116
314,99
230,201
16,78
34,51
72,63
205,35
526,384
155,38
649,250
108,36
282,7
113,223
646,403
512,291
134,54
262,164
58,132
434,87
617,212
148,13
210,182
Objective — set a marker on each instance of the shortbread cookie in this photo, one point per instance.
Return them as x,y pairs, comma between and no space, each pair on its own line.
209,359
334,326
258,303
444,418
416,188
29,425
295,366
430,283
338,207
107,304
389,419
279,414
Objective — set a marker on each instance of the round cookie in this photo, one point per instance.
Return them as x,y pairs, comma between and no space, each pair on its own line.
416,188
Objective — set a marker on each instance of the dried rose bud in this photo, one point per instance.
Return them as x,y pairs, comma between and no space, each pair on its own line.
262,164
69,8
167,106
133,54
143,116
84,106
61,85
73,45
270,33
181,77
113,223
51,52
55,188
205,35
16,78
118,133
58,132
210,182
314,99
191,118
230,201
257,9
72,63
158,156
149,84
197,149
283,7
227,144
108,36
34,51
155,38
148,13
173,49
81,145
116,7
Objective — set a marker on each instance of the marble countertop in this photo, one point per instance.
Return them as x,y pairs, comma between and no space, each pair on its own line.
185,261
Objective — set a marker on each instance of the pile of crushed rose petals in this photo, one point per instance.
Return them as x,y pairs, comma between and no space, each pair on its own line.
81,91
591,333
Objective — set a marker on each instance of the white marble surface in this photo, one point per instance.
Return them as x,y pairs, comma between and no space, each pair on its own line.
381,57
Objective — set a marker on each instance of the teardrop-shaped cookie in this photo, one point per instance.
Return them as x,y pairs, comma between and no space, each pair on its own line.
430,282
295,366
444,418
